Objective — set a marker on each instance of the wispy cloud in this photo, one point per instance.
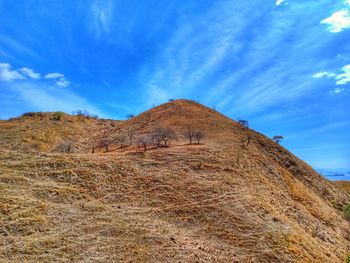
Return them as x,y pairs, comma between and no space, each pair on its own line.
188,58
54,75
30,73
102,16
338,21
324,74
337,90
12,44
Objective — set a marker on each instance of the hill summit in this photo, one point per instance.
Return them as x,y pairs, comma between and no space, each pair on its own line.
232,196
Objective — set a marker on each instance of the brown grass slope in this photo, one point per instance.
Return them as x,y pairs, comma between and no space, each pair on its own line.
43,133
216,202
344,184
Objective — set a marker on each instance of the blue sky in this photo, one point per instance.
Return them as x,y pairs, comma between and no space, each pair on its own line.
282,65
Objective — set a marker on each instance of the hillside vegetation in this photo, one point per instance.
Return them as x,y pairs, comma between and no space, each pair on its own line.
235,197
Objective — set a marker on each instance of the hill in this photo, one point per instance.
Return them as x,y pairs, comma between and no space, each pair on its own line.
224,200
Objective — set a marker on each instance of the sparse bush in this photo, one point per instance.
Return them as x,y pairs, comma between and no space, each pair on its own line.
277,138
29,114
65,147
244,123
104,143
246,141
58,115
130,116
347,212
33,114
85,115
347,259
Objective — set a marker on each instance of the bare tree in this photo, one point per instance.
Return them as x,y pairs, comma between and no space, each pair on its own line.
163,134
166,135
121,140
277,138
244,123
131,134
199,135
189,134
145,141
157,135
102,143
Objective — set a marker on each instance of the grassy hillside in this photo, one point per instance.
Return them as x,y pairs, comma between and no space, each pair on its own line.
220,201
45,131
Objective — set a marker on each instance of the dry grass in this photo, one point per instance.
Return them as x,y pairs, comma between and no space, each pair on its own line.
216,202
345,185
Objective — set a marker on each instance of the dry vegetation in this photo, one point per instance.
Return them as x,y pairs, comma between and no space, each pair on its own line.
345,185
236,197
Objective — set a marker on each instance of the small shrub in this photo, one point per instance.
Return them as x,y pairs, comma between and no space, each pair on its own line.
244,123
277,138
347,259
29,114
347,212
65,147
58,115
130,116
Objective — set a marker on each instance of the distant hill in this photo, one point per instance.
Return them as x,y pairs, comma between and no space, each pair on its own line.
235,197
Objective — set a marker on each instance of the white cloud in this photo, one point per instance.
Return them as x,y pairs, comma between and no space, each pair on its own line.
30,73
343,78
62,83
337,91
8,74
279,2
338,21
54,75
324,74
59,78
347,2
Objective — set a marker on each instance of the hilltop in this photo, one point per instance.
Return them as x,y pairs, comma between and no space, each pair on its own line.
224,200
